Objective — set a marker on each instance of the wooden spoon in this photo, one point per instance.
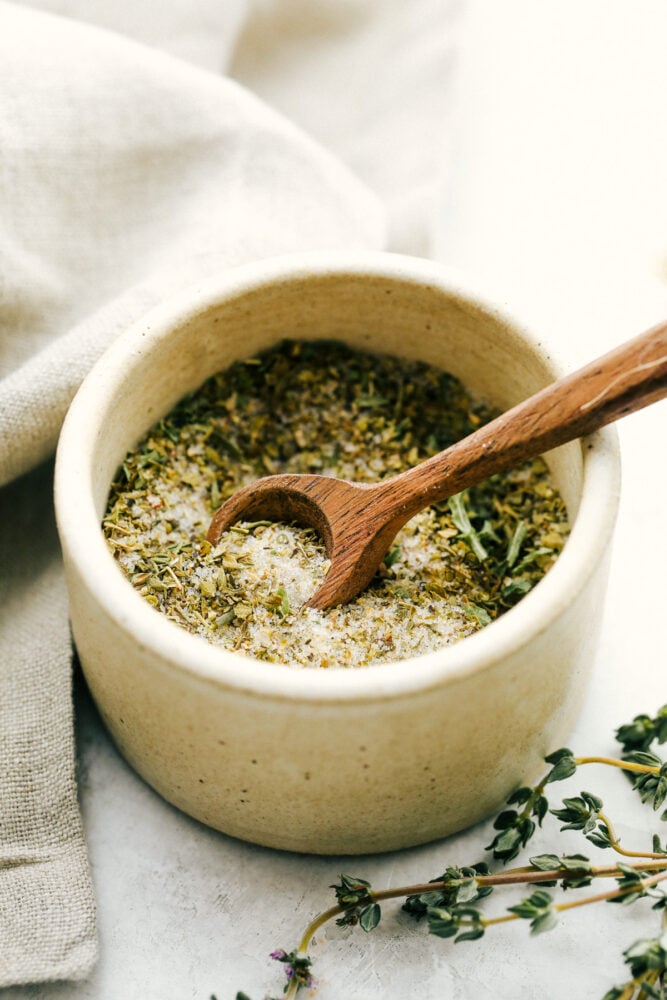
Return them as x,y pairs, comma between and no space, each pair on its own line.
358,521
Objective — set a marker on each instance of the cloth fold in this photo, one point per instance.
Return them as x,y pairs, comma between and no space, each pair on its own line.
47,914
130,168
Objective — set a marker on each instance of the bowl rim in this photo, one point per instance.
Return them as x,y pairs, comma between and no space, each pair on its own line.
85,548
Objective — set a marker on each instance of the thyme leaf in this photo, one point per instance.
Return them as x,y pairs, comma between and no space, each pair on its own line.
538,909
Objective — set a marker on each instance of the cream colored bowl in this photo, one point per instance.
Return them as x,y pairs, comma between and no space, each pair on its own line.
329,761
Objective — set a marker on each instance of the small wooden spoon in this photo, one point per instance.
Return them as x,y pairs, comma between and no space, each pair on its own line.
358,521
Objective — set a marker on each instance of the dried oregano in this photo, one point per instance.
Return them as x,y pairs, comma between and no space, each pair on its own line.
324,407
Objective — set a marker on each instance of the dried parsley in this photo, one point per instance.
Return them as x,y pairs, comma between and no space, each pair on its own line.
327,408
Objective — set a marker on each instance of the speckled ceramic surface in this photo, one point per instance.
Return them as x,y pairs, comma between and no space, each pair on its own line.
329,761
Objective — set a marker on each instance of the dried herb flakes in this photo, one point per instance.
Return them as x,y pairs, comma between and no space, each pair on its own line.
324,407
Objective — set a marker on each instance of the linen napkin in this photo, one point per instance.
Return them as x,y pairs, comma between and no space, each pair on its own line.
130,167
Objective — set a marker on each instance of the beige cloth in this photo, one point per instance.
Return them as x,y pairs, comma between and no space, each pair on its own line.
130,166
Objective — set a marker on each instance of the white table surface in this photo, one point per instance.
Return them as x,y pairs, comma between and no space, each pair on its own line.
557,194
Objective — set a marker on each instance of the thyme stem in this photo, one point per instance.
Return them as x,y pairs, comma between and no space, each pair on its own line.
518,875
614,894
315,925
625,765
616,844
573,904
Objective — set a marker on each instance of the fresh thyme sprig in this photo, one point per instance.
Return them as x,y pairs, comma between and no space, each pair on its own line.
449,904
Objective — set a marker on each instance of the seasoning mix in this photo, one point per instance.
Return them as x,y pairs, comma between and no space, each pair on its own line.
327,408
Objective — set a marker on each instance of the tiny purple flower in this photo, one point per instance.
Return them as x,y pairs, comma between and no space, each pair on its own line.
297,967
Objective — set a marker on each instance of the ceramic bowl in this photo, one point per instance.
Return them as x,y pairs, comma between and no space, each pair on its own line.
335,761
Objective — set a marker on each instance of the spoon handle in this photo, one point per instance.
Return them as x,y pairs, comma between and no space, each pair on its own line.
624,380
